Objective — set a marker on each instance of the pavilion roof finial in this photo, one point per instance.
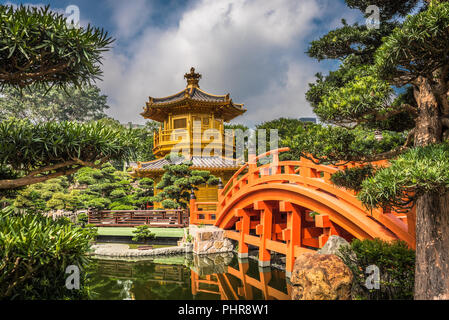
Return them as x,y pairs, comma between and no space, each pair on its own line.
192,78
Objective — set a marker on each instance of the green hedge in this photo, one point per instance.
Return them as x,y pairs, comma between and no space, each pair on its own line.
396,263
35,252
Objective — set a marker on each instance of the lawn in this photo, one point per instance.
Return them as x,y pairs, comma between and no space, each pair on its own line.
125,231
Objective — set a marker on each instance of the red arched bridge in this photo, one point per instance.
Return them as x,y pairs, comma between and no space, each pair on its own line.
291,207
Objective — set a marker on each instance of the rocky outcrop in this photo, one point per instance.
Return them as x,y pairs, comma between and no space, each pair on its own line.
320,277
333,245
207,240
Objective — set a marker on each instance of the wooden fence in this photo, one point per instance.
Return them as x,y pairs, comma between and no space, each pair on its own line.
133,218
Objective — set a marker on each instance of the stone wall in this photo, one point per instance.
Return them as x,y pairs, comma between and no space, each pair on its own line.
209,239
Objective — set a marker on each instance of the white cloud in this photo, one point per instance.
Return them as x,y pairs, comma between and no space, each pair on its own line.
129,17
252,49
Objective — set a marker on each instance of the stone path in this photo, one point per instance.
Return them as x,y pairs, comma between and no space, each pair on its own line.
122,250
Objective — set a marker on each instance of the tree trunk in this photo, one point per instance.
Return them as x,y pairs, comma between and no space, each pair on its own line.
428,129
432,209
432,247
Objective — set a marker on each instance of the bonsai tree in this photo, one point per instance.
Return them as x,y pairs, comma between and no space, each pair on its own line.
143,192
367,119
107,188
178,181
144,233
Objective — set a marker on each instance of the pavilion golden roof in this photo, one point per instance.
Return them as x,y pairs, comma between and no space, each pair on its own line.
198,162
192,97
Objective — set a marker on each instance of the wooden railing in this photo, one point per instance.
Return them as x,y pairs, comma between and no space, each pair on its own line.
132,218
200,216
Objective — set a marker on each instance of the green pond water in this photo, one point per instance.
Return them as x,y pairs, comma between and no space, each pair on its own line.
186,277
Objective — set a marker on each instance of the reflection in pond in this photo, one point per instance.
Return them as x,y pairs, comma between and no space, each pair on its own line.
212,277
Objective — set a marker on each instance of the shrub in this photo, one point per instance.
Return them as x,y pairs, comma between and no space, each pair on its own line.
35,252
92,230
396,263
189,238
82,219
143,232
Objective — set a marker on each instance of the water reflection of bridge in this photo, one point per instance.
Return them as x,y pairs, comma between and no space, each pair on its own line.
238,284
242,281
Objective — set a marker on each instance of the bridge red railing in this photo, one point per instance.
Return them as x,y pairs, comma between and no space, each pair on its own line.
303,172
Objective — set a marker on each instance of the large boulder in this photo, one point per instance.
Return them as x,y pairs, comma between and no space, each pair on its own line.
320,277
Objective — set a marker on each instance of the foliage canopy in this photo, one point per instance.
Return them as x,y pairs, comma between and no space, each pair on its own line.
38,46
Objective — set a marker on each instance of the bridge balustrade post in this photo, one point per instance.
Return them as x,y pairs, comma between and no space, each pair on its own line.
192,208
304,170
252,167
244,230
266,226
276,169
292,234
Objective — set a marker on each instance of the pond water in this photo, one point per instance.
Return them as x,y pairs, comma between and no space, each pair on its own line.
186,277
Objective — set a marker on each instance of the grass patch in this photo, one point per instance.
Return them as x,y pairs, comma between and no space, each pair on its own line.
126,231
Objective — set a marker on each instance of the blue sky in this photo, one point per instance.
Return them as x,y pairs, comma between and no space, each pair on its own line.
252,49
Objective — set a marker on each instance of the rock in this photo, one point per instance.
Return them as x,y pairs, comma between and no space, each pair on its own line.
206,236
209,240
333,245
211,264
320,277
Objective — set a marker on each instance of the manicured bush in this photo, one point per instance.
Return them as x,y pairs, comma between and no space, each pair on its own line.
143,232
35,252
396,263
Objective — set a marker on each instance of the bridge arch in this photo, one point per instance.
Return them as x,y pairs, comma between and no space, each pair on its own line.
268,206
351,219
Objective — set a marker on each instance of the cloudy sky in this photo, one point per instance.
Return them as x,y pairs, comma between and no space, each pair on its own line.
252,49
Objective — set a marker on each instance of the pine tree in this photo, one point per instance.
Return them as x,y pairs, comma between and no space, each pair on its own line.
178,181
388,100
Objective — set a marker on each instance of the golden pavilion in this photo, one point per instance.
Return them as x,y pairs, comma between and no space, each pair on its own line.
192,120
